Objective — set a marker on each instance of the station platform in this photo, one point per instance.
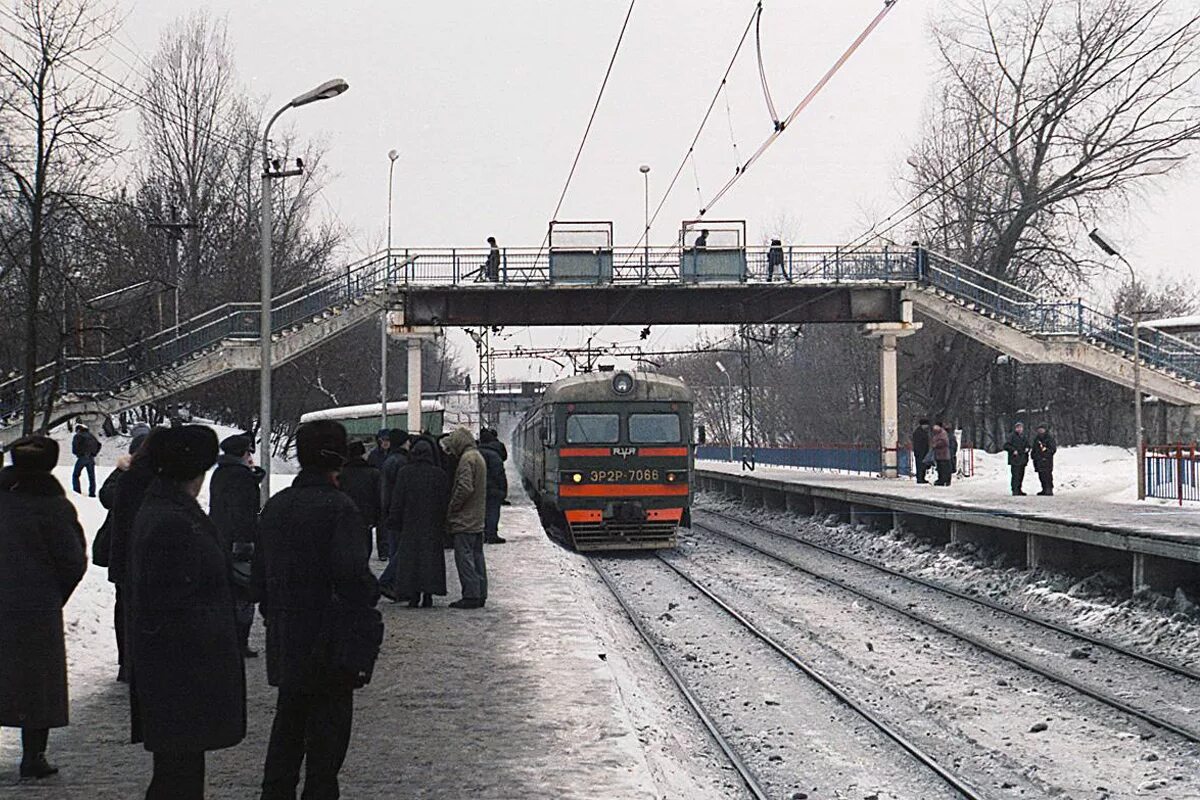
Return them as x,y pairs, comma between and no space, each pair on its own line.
1160,543
545,693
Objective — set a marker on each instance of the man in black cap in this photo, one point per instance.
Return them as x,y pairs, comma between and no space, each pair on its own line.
233,506
920,448
85,447
382,449
312,549
1042,450
396,461
1017,448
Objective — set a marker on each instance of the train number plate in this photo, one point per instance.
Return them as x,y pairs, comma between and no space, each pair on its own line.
624,475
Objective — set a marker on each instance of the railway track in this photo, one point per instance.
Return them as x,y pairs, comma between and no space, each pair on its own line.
979,642
752,783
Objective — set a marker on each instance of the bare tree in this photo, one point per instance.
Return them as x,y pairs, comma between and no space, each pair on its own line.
57,121
1050,113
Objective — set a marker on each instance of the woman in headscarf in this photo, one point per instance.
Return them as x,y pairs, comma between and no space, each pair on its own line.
42,559
187,682
418,518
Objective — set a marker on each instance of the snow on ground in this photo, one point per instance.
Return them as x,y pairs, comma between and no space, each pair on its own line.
1098,603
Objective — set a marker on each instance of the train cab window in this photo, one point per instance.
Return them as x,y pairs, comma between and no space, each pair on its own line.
654,428
593,429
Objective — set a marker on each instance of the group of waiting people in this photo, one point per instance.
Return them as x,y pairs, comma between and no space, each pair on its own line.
186,583
934,447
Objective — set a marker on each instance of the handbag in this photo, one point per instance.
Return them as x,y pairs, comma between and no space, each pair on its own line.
355,634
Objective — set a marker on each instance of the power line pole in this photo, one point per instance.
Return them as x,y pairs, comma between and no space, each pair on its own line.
173,231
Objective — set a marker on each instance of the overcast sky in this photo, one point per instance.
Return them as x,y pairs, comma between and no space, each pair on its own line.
486,102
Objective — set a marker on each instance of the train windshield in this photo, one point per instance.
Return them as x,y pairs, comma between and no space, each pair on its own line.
654,428
593,429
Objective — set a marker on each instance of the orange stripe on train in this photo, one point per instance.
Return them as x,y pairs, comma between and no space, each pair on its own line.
622,490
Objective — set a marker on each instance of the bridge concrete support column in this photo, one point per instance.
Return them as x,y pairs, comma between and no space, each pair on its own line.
889,425
415,337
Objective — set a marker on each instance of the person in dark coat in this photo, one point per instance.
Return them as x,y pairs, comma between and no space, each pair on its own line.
1017,448
233,505
419,514
920,448
491,267
42,559
383,443
136,477
85,447
102,544
312,548
775,261
187,684
387,484
497,484
1042,450
939,442
361,481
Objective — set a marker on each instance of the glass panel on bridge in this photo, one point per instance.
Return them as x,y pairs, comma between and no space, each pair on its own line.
712,250
581,252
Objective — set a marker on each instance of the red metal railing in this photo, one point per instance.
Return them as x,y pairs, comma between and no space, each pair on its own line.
1172,472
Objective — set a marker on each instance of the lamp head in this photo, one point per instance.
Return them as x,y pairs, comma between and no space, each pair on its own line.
393,154
644,168
1103,243
721,367
325,91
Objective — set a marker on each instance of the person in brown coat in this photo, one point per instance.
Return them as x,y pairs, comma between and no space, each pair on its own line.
42,559
939,442
466,516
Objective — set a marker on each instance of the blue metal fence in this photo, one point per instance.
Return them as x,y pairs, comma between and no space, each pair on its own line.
1173,472
866,459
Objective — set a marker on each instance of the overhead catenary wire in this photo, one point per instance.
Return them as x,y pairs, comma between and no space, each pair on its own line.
782,125
683,162
592,118
762,71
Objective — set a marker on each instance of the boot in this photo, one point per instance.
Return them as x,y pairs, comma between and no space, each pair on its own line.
467,602
427,601
37,767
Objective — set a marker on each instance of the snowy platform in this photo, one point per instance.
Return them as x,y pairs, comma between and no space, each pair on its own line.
1093,504
546,692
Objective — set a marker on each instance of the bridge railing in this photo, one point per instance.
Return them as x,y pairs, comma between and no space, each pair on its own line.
821,457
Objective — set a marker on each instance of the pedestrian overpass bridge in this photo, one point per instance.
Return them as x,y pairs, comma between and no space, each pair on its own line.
878,288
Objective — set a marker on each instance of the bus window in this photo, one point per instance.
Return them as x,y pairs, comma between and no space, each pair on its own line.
654,428
593,429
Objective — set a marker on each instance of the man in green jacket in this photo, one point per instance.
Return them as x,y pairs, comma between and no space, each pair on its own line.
465,518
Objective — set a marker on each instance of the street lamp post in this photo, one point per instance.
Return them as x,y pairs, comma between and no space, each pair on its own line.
1139,432
645,170
728,413
383,321
325,91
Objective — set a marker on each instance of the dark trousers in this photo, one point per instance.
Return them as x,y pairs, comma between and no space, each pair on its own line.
33,742
945,468
82,464
1018,477
1046,476
472,569
382,548
244,610
119,628
491,519
177,776
313,729
922,469
388,577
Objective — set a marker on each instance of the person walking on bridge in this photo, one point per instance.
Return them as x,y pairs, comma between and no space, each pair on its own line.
1043,450
466,518
775,261
1017,448
85,447
491,268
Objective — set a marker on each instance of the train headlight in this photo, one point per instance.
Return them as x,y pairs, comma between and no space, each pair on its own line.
670,477
576,478
622,383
